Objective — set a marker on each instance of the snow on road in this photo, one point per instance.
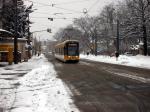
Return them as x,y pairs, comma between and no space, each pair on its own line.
135,61
40,90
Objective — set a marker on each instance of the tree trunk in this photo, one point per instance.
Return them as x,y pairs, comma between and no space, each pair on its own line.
144,33
145,39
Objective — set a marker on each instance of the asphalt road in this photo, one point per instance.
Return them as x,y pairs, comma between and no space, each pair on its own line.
100,87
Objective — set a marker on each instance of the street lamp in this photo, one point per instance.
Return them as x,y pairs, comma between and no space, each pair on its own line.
16,35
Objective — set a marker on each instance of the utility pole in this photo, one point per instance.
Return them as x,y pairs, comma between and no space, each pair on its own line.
39,47
95,42
118,36
144,37
28,11
117,40
28,39
16,35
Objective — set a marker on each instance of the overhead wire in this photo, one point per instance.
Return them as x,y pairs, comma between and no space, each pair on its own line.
67,9
74,11
55,6
61,13
93,6
53,14
53,17
43,13
81,1
64,19
38,3
38,17
71,2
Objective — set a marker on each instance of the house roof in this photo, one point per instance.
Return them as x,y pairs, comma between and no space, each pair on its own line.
5,33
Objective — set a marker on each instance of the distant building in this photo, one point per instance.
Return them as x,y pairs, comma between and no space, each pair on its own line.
7,48
48,46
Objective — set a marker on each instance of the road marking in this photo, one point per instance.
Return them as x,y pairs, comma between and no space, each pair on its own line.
138,78
75,91
85,63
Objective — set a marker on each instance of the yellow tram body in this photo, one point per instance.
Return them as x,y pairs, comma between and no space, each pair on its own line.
67,51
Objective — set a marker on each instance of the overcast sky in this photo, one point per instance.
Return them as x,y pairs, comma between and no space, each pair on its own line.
60,9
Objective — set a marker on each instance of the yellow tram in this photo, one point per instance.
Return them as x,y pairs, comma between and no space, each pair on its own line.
67,51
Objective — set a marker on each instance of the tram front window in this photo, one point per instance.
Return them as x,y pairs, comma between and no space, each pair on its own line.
72,51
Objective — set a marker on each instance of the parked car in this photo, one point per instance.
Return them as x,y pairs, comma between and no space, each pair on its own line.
128,54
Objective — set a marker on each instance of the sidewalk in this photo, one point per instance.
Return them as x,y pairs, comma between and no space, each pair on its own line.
9,82
33,86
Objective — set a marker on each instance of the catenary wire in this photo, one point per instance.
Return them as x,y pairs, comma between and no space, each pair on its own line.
93,5
72,2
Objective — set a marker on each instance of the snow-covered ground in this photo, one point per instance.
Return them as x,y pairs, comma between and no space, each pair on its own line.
40,90
135,61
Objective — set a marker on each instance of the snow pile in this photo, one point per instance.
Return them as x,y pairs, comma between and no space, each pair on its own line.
22,67
34,62
135,61
40,90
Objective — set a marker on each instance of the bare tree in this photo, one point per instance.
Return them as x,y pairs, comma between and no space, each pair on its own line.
107,19
140,18
82,24
89,26
68,33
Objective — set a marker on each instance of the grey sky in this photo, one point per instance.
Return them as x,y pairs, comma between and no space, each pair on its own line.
68,9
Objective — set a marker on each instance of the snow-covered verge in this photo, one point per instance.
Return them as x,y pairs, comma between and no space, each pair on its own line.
135,61
40,90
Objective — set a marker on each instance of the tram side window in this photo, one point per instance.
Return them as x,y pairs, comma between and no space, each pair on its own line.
60,51
55,51
63,51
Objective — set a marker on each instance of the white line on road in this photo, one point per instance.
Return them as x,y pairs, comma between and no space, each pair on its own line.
141,79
